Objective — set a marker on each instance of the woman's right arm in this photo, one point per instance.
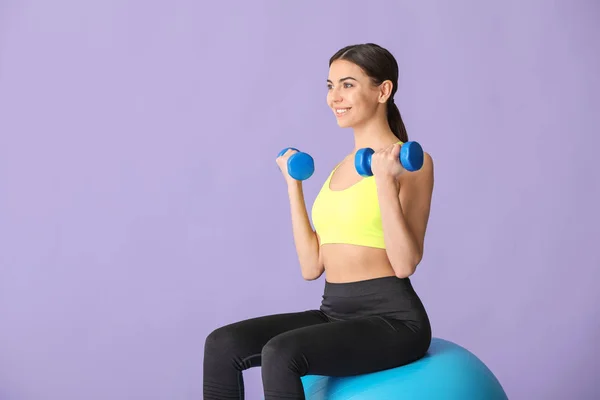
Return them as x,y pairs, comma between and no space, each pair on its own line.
305,238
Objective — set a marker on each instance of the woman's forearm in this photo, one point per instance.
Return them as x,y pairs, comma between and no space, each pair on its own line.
401,245
305,238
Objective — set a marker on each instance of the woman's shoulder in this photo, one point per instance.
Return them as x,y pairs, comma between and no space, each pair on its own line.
423,174
427,160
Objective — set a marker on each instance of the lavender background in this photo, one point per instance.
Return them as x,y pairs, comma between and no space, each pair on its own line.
140,204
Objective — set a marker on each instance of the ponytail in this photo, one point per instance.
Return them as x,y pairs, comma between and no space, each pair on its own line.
395,121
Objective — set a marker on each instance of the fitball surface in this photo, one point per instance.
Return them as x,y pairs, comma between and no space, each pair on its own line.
447,372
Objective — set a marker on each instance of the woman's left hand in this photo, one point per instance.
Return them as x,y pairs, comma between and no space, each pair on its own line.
385,163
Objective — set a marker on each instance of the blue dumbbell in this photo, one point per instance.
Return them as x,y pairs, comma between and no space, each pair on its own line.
411,158
300,165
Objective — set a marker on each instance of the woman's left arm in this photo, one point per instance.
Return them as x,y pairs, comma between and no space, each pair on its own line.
405,204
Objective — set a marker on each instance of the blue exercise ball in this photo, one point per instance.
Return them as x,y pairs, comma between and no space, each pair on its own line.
447,372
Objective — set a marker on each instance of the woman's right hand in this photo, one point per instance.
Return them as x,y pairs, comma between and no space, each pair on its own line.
282,162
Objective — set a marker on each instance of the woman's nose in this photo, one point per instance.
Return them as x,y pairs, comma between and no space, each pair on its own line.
336,96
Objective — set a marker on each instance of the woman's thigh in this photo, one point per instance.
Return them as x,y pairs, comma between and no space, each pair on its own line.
350,347
242,342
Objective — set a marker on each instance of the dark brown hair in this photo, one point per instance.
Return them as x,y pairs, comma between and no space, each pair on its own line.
380,65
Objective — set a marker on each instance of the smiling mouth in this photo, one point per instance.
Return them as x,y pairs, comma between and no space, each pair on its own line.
341,111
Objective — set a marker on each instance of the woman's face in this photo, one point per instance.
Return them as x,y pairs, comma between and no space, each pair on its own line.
351,95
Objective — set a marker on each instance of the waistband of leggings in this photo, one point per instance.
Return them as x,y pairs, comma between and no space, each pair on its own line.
365,287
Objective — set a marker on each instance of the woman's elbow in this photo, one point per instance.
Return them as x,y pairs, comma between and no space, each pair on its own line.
311,274
404,272
406,268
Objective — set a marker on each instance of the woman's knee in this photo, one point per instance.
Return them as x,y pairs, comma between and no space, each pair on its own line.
283,352
221,341
229,346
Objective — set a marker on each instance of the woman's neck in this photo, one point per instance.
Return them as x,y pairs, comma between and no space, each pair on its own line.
375,134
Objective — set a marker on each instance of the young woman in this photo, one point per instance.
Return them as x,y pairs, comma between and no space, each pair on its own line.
368,240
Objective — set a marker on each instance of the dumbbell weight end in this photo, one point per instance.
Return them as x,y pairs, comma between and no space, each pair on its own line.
300,165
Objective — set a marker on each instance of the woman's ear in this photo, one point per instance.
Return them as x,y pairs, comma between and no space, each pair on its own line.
385,91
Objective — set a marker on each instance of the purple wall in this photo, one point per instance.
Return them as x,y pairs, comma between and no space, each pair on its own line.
141,207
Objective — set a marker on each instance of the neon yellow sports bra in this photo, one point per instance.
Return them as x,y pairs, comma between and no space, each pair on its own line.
349,216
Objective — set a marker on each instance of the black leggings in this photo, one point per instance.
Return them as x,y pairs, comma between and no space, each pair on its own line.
361,327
